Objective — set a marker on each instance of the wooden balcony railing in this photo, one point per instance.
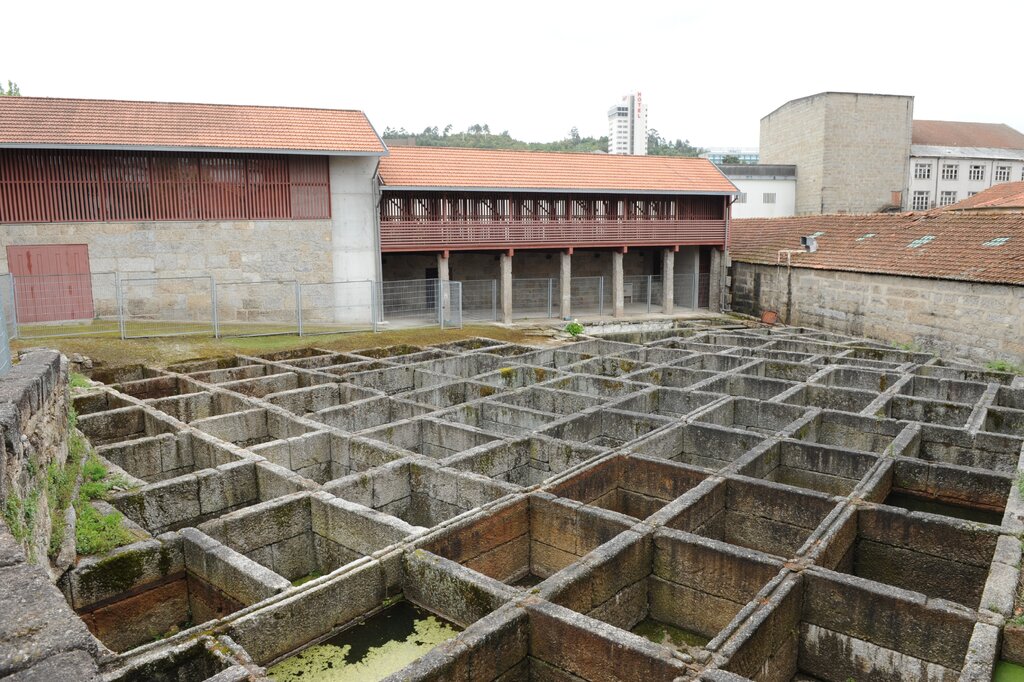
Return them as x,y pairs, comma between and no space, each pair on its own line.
438,235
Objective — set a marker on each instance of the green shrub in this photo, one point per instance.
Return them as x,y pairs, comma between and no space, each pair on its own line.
76,380
574,328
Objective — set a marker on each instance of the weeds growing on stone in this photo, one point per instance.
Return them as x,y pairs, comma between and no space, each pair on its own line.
1004,366
76,380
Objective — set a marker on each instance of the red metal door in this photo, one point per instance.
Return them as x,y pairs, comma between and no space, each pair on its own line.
51,282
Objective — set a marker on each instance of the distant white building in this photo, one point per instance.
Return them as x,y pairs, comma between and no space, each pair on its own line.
766,190
627,126
717,155
951,161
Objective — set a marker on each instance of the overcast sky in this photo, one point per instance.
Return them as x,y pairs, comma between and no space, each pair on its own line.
708,71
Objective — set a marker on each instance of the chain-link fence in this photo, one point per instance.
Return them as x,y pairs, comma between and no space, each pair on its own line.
535,297
66,305
260,308
5,344
480,299
141,305
7,305
167,306
336,307
589,296
451,305
704,290
642,294
685,291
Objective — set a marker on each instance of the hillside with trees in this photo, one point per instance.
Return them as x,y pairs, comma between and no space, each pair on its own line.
479,136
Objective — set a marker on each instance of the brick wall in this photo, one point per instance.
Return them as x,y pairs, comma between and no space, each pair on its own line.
975,322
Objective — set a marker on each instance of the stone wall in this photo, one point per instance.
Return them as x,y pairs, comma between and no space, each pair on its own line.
40,636
973,321
34,424
851,150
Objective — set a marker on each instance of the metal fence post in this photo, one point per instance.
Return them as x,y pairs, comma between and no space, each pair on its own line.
298,305
600,296
440,303
373,305
14,308
119,295
213,307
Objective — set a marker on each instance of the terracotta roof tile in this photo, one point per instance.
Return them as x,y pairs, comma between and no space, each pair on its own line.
524,170
43,121
1007,196
879,243
964,134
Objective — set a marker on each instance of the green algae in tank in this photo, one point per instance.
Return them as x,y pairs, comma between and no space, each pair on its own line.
1008,672
669,635
372,650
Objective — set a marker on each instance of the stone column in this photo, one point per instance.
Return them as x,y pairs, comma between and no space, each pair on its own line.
715,278
442,283
506,287
668,280
618,305
565,285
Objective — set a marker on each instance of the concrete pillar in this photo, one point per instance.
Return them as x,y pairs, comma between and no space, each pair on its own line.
668,280
715,279
565,285
445,291
618,305
506,288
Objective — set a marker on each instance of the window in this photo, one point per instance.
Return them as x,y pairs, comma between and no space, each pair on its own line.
977,172
1002,174
996,241
921,201
819,233
971,194
947,198
920,241
768,198
950,171
868,235
922,171
741,198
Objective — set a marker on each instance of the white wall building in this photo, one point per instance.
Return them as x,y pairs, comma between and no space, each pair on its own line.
951,161
627,126
766,191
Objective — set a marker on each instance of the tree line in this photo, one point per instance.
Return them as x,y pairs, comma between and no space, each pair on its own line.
480,136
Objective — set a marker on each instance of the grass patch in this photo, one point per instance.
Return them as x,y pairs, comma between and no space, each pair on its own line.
76,380
113,352
97,533
1004,366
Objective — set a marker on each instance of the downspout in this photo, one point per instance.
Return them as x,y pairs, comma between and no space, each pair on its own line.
726,261
378,197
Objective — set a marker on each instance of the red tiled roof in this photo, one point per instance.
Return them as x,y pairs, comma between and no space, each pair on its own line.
114,124
957,250
963,134
522,170
1007,196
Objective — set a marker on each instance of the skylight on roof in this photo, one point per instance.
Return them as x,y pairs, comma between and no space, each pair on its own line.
819,233
869,235
997,241
920,241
